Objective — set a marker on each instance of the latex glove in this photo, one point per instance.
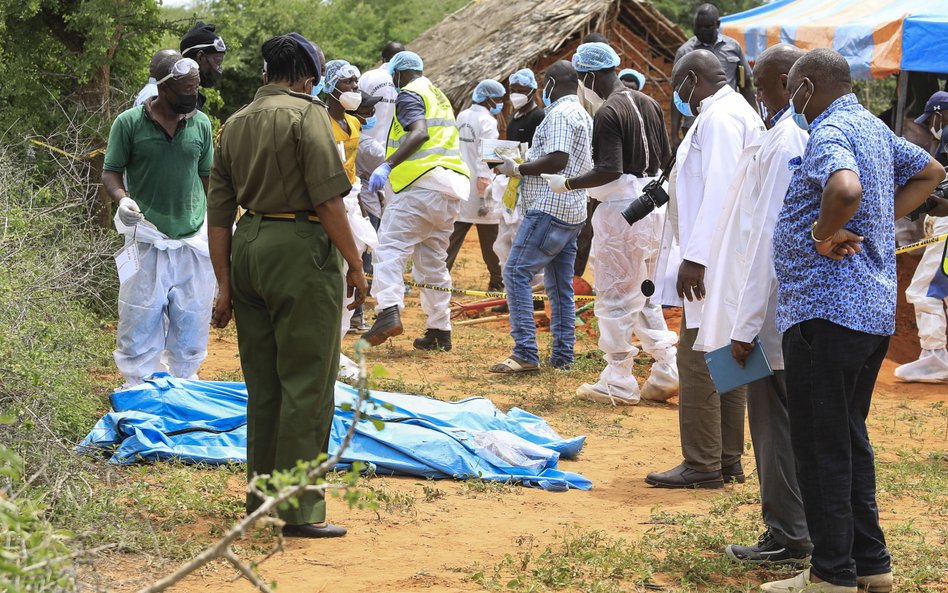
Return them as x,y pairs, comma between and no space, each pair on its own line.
483,184
379,177
557,182
508,168
129,212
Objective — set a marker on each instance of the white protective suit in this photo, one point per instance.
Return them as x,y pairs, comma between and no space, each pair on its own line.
164,308
742,294
932,364
474,125
378,83
365,238
621,262
417,223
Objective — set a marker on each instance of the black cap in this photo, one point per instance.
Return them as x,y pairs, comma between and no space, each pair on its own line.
202,37
369,100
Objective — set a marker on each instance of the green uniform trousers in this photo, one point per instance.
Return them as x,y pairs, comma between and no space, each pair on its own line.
286,279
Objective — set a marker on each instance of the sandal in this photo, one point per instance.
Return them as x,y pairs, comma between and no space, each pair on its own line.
512,365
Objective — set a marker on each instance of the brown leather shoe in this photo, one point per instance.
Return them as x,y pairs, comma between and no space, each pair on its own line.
684,477
313,531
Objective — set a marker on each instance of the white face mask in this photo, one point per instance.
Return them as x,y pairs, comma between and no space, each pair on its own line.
350,100
935,133
518,100
589,99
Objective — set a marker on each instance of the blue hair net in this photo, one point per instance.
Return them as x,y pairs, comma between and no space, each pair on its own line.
488,88
634,74
405,60
590,57
525,77
336,70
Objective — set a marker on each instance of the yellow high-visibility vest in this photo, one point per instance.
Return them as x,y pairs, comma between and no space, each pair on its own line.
443,148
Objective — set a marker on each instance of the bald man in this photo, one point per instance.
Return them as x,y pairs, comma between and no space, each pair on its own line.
741,305
707,36
834,255
712,424
151,87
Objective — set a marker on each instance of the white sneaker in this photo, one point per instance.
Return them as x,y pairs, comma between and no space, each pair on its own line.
932,365
662,382
596,393
801,584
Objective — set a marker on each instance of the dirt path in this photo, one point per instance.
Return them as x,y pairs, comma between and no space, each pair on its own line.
434,536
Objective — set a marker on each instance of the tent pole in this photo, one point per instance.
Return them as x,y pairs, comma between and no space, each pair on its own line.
900,109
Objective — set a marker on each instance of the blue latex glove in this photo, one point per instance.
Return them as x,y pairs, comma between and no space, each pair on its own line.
379,177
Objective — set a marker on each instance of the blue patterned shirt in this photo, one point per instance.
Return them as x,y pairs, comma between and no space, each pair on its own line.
566,128
858,292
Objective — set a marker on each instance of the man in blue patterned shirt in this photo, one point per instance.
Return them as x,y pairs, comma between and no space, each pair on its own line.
546,240
834,254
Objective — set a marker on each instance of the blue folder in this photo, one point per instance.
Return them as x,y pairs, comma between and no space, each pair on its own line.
728,375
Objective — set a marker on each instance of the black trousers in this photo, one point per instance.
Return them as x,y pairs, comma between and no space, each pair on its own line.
831,371
486,235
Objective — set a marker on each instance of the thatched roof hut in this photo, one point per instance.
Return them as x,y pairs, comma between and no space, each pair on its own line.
495,38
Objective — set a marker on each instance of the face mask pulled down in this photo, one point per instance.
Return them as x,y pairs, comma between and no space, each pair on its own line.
798,117
588,98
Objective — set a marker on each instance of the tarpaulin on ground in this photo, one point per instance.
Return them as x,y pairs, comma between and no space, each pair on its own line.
877,37
206,422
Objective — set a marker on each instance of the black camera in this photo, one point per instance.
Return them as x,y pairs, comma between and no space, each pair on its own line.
653,196
928,205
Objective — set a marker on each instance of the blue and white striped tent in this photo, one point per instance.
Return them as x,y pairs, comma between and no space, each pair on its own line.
877,37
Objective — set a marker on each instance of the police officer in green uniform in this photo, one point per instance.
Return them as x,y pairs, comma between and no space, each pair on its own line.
281,271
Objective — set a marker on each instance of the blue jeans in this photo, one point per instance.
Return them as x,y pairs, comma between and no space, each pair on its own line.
830,372
548,244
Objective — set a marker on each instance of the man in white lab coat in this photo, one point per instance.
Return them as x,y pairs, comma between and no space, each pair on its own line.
711,424
476,124
742,303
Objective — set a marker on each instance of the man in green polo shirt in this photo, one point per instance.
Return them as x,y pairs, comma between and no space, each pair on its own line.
164,148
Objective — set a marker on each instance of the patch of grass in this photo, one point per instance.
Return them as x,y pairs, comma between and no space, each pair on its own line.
478,488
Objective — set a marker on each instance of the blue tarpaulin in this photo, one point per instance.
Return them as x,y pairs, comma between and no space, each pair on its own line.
206,422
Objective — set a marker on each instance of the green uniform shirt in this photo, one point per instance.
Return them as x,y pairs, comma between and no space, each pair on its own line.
163,172
276,155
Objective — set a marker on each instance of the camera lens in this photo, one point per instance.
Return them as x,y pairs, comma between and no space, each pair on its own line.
637,210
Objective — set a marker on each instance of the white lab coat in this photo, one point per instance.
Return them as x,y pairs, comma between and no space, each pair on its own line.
705,165
378,83
742,293
476,124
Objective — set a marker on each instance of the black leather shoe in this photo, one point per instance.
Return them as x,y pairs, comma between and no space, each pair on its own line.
388,323
313,531
683,477
733,473
434,339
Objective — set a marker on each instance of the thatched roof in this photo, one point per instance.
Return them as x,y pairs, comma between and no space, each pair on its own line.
495,38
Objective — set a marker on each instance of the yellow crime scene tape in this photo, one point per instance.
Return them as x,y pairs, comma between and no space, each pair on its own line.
920,244
77,157
484,293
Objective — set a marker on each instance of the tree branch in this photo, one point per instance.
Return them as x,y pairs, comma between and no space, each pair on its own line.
222,548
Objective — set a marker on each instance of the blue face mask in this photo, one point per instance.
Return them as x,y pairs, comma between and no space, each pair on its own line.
547,90
370,123
497,108
317,88
799,118
684,107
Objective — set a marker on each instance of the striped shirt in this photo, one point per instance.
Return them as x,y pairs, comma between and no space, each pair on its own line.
566,128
